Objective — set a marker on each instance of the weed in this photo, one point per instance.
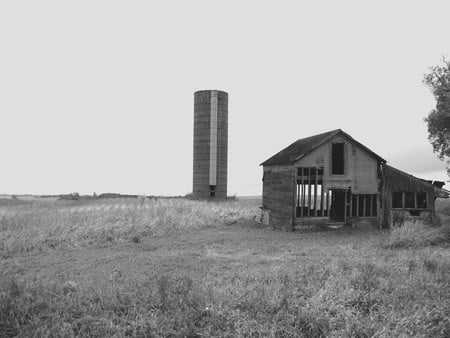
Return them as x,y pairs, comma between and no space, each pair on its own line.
163,292
412,265
417,234
430,265
345,267
365,282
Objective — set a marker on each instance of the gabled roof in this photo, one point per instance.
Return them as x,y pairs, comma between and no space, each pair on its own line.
304,146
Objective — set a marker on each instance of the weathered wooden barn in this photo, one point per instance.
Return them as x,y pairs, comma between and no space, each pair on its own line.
332,178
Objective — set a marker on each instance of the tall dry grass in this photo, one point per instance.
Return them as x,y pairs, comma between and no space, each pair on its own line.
360,298
37,226
273,284
416,234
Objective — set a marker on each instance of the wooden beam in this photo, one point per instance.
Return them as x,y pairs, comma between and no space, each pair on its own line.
415,200
364,205
345,206
303,198
303,195
309,192
403,200
315,195
351,205
321,199
371,205
377,201
328,203
357,205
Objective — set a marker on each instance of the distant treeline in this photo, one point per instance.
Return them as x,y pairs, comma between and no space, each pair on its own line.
116,195
76,196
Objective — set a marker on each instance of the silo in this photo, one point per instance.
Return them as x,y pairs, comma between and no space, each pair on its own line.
210,144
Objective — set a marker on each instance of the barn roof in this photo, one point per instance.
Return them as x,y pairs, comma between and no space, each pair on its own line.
398,180
304,146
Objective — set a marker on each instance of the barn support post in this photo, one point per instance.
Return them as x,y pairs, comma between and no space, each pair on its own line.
295,197
357,205
294,202
321,199
303,194
345,206
379,210
315,194
351,205
309,192
364,205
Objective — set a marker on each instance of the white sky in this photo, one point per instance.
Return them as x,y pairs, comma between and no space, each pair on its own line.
98,95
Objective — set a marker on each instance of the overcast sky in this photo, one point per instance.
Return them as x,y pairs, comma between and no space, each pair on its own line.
98,95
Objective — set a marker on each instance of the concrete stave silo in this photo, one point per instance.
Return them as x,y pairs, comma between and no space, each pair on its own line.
210,144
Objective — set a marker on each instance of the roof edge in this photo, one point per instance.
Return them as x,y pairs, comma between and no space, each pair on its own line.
332,133
325,140
441,192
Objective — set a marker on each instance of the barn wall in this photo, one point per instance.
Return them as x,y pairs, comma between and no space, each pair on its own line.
360,167
279,196
392,217
364,172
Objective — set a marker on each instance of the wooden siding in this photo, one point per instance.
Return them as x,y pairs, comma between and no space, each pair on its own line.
279,197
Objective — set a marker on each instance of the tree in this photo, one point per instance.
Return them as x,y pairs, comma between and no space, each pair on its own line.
438,120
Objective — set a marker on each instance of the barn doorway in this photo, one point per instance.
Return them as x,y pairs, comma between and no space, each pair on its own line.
337,210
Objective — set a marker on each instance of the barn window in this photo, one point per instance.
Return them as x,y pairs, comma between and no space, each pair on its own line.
421,200
397,199
409,200
337,158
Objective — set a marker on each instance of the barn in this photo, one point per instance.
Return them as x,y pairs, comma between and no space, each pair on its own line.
330,178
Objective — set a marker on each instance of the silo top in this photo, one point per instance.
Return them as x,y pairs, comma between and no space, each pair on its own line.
220,92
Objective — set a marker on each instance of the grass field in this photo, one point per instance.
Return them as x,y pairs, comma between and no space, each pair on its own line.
170,268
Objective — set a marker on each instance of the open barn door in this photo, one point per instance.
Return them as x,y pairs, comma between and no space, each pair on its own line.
338,204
